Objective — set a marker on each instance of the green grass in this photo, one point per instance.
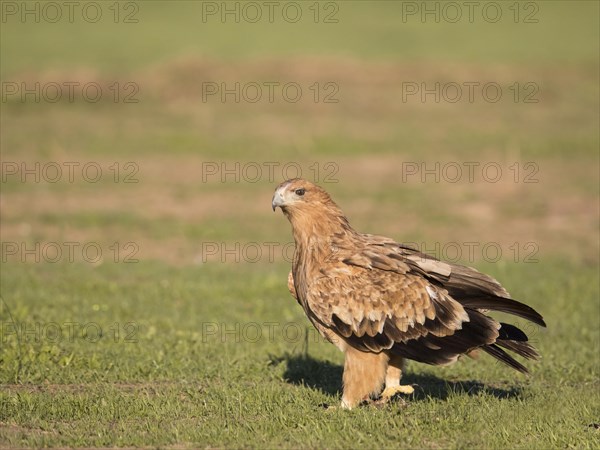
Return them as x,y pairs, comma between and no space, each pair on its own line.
199,366
164,352
564,32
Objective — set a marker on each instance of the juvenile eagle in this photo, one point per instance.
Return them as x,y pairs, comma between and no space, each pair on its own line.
380,302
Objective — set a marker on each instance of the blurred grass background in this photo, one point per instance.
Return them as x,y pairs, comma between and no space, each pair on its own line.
175,209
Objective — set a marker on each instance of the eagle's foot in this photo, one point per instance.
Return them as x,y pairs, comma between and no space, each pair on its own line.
391,391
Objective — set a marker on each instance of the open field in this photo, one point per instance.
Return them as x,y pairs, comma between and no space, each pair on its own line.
143,274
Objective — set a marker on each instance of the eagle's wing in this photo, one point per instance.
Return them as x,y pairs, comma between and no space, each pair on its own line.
379,296
374,309
470,287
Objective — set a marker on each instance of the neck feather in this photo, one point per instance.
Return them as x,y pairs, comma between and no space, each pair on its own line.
317,225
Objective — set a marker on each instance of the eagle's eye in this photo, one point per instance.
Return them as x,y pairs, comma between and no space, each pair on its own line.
300,191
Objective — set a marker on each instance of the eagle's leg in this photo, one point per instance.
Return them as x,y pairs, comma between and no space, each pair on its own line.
392,380
364,374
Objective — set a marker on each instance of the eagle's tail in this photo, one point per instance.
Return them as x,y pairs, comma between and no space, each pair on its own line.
513,339
510,337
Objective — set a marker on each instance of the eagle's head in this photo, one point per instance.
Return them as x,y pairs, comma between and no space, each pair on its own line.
297,195
309,208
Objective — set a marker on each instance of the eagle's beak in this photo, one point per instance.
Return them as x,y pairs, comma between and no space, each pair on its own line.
277,200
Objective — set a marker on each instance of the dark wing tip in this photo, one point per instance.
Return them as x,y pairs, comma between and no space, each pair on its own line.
501,355
506,305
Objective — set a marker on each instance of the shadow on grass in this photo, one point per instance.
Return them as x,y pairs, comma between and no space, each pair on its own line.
307,371
327,378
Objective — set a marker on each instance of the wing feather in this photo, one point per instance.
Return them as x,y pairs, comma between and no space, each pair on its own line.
374,308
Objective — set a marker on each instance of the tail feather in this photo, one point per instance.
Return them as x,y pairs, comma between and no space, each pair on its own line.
520,348
500,354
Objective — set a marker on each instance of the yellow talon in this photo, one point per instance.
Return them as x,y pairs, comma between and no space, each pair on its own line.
390,391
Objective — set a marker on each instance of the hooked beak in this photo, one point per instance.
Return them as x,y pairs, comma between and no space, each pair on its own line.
277,200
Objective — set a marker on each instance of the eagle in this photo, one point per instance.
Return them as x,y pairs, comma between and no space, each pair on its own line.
381,302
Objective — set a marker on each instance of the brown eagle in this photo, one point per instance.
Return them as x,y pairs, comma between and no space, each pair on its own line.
380,302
